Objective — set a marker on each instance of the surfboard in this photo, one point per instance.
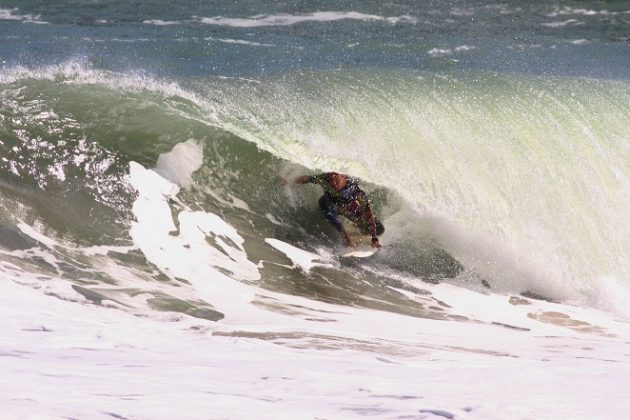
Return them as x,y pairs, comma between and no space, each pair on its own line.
359,252
363,248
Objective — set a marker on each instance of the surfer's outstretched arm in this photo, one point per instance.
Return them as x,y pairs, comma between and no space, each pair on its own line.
303,179
369,216
307,179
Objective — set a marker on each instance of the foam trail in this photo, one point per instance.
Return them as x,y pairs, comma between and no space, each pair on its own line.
303,259
187,254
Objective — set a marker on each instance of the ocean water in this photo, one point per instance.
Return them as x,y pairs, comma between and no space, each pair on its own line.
153,265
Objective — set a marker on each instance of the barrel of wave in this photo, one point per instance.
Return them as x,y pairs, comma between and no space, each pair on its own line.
521,178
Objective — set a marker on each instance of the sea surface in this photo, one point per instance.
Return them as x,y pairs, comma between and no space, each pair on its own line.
153,263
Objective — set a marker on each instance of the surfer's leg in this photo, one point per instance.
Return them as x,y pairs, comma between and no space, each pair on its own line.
364,227
330,211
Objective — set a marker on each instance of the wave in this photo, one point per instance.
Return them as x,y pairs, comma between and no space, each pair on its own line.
286,19
561,24
566,10
508,182
11,14
239,42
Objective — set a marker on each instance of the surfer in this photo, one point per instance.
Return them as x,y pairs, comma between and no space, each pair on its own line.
343,197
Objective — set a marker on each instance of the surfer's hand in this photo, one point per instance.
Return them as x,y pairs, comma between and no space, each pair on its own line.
375,243
283,181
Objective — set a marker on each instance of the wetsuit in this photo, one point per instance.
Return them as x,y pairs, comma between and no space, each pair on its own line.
351,202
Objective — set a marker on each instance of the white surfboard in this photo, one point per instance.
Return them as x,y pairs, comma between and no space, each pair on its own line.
363,248
359,252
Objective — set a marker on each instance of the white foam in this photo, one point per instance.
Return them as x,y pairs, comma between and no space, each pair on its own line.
301,258
179,164
239,42
33,233
287,19
562,24
361,362
159,22
583,12
464,48
10,14
457,11
440,51
183,251
125,40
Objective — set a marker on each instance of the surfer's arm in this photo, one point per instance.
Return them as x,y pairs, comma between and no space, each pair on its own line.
371,219
369,215
309,179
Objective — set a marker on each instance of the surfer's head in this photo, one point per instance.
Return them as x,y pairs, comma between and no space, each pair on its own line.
338,181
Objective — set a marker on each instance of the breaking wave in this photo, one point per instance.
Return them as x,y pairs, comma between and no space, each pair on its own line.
512,183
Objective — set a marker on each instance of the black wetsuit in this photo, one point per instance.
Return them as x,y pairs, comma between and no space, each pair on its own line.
351,202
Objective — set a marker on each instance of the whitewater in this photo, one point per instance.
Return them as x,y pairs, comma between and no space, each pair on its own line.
153,263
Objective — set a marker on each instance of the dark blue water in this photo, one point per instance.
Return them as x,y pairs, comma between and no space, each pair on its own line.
248,38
